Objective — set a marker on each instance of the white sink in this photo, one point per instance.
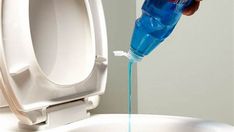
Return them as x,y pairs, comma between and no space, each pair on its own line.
119,123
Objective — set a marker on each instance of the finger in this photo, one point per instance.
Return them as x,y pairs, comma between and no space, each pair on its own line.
192,9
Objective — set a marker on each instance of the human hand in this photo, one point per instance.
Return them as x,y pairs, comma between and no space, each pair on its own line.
190,10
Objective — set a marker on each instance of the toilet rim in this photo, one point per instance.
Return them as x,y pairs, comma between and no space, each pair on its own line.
100,68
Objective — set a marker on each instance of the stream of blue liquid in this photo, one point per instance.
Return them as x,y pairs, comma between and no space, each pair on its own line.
130,66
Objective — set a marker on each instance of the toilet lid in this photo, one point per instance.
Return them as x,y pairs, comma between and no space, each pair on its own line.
52,52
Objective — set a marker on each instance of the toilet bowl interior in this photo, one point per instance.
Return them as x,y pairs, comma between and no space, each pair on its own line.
65,53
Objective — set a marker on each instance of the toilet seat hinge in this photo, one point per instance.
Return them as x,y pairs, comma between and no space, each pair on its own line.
62,114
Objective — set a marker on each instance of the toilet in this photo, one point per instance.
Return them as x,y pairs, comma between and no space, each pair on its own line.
53,62
53,59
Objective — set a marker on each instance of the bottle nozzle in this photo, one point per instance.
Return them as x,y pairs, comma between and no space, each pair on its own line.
130,55
121,53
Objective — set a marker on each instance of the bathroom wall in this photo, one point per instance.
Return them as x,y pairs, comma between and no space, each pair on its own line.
192,72
120,17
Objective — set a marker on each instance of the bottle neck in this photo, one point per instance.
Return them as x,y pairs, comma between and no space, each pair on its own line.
134,57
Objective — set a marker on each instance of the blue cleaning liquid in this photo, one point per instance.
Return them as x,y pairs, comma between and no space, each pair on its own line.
130,66
157,22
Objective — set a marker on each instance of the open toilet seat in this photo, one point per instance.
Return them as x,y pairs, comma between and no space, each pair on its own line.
53,59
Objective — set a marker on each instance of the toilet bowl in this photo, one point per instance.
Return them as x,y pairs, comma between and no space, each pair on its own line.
53,65
119,123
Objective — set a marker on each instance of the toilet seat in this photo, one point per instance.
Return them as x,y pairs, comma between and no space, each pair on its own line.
41,98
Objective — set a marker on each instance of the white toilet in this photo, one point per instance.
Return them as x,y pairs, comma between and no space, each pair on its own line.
53,62
53,59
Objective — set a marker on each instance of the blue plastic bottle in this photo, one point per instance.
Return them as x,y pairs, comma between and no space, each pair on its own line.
159,18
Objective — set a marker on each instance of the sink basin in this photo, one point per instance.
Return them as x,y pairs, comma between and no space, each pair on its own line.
119,123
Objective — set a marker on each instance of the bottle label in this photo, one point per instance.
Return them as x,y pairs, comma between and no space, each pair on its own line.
179,1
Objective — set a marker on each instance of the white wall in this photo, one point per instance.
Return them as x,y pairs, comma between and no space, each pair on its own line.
192,72
120,17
